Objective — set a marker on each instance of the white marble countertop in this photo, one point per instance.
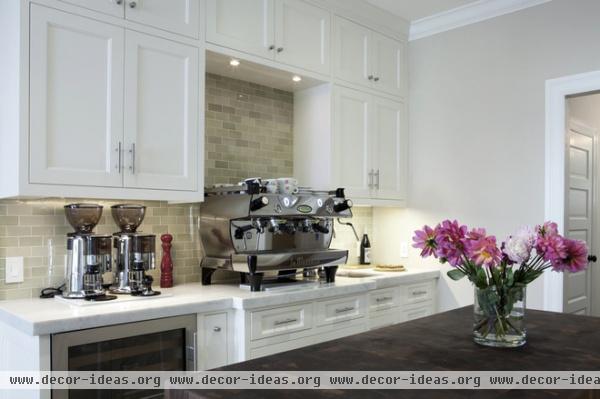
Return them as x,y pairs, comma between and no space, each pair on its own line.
48,316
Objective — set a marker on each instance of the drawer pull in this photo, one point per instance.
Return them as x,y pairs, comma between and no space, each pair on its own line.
283,322
415,293
344,310
383,299
217,329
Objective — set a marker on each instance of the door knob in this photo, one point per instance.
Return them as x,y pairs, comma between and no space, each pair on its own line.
279,49
133,4
370,77
592,258
376,79
118,2
216,329
272,47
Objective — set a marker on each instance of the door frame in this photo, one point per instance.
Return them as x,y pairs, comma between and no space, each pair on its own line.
557,91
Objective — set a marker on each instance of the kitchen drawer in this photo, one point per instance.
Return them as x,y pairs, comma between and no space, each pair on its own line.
418,292
340,309
383,299
416,312
278,321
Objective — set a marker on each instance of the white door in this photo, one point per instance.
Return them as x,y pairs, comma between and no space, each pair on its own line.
244,25
389,63
111,7
352,142
161,113
76,100
389,148
579,200
178,16
351,52
215,341
302,35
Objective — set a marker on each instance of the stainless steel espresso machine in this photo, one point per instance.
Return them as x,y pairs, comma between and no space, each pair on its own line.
248,230
89,255
135,252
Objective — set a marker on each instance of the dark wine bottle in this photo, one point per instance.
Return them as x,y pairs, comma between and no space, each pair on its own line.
365,250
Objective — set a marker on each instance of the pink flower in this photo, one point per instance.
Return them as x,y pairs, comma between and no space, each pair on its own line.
426,241
483,251
450,238
553,248
575,259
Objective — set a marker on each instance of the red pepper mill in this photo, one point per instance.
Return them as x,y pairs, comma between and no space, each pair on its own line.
166,264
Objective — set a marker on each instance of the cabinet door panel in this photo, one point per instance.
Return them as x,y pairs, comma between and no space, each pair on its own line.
351,142
389,64
351,52
215,341
76,102
178,16
302,34
390,148
245,25
161,113
111,7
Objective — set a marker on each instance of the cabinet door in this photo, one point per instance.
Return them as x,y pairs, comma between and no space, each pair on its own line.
215,345
161,113
245,25
351,52
178,16
351,142
390,149
389,65
111,7
302,35
76,100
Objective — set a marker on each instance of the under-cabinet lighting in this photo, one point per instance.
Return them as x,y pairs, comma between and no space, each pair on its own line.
296,78
234,62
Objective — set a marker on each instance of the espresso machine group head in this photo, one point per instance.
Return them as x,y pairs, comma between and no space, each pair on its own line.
88,255
135,252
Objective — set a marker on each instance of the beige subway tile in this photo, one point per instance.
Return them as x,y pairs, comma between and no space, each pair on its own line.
19,209
9,220
9,241
30,241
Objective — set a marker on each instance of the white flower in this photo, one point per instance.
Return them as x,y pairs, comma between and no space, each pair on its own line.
518,246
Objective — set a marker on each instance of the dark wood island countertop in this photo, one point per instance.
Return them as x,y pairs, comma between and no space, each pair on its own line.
442,342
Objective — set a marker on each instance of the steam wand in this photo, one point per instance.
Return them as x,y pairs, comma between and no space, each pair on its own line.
351,225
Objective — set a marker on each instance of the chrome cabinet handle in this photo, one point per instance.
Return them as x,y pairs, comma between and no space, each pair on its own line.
272,47
344,310
286,321
382,299
132,152
279,49
377,184
371,174
415,293
376,79
119,151
118,2
132,4
370,77
195,351
217,329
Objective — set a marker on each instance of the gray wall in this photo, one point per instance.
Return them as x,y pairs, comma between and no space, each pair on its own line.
477,104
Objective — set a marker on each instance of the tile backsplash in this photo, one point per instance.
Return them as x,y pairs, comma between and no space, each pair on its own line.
248,130
248,133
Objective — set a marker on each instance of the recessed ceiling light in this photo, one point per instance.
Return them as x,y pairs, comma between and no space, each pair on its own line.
234,62
296,78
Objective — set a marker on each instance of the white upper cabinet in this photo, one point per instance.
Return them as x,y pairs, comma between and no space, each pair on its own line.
245,25
351,51
302,35
351,158
177,16
110,7
367,58
390,149
388,64
76,104
289,31
161,118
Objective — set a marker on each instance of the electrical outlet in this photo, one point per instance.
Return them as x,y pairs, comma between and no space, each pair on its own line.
14,270
404,249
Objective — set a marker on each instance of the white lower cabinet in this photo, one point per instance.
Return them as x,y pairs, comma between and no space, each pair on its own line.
213,341
266,331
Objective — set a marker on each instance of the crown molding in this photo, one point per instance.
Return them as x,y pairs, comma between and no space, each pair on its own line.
466,15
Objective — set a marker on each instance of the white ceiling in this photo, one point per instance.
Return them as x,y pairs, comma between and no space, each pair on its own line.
416,9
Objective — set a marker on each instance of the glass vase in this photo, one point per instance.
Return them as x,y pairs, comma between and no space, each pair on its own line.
500,317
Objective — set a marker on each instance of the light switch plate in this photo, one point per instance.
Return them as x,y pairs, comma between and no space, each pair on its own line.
14,270
404,249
